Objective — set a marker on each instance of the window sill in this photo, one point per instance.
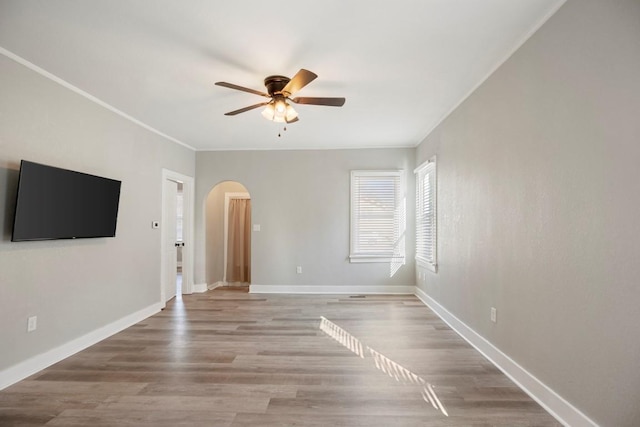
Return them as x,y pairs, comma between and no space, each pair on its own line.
372,258
427,265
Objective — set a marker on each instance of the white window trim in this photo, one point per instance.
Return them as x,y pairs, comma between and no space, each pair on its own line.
355,257
421,261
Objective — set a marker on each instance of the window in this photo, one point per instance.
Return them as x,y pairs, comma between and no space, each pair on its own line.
377,216
426,215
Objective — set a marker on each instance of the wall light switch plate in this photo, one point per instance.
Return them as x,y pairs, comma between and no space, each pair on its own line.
155,224
494,315
299,269
32,323
256,227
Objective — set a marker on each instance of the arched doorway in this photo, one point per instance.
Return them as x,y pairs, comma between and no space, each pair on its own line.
228,235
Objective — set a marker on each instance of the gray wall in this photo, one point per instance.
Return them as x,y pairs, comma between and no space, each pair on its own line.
538,203
214,228
75,287
301,200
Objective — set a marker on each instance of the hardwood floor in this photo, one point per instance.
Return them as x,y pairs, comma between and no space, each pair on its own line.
228,358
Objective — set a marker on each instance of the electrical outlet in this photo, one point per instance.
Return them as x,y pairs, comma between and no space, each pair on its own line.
494,315
32,323
299,269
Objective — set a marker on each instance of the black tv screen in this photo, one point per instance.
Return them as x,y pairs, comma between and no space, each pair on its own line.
54,203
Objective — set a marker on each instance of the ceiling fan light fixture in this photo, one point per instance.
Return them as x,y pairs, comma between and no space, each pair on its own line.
269,112
291,114
279,111
280,106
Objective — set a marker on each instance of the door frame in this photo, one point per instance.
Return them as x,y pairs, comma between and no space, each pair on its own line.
227,197
188,191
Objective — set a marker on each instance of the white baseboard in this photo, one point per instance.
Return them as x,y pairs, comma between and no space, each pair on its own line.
287,289
219,283
37,363
562,410
199,288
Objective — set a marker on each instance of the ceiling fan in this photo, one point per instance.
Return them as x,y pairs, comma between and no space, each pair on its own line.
280,89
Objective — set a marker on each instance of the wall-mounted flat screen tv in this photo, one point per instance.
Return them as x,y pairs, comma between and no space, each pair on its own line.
54,203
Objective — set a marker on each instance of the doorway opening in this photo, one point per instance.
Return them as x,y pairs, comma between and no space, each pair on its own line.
176,236
228,235
179,237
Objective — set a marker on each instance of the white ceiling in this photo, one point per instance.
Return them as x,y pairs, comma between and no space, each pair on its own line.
402,65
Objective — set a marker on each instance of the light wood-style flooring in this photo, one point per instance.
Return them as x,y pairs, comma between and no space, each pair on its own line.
229,358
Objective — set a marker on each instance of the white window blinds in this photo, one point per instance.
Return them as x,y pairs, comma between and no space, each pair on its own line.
426,215
377,216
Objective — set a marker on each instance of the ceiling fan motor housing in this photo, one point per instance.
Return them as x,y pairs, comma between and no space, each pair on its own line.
275,84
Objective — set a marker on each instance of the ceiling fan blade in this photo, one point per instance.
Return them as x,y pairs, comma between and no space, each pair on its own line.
295,119
244,89
242,110
300,80
332,102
